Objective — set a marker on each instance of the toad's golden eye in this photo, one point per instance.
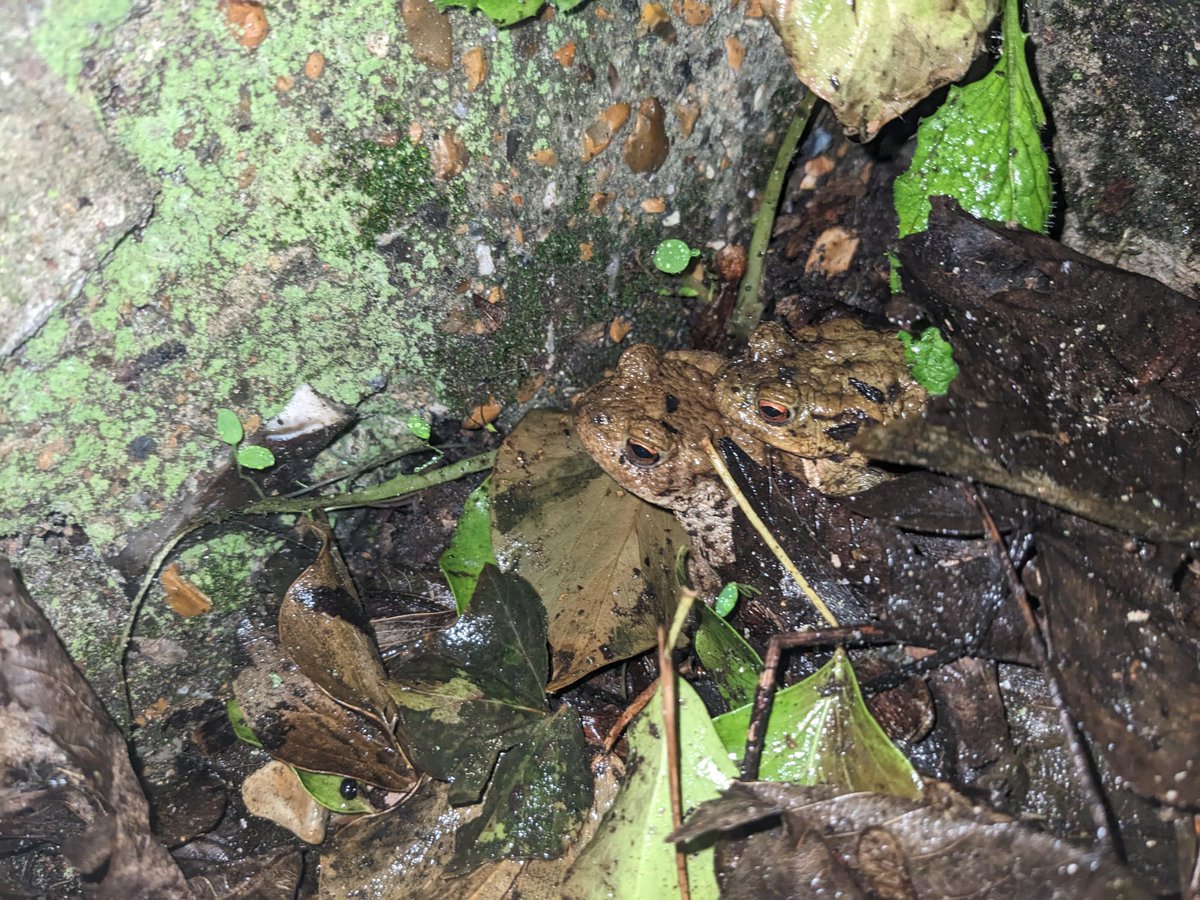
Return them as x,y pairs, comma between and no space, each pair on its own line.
773,412
642,454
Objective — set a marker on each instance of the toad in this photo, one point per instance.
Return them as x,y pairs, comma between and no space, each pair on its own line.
646,427
810,394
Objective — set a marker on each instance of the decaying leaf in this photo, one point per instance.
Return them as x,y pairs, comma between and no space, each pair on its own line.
477,690
602,560
65,774
300,724
628,856
874,59
324,629
882,846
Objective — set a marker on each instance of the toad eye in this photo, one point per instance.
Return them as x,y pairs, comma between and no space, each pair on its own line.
773,412
641,454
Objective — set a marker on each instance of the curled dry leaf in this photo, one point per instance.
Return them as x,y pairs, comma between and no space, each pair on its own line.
483,414
874,59
299,724
323,627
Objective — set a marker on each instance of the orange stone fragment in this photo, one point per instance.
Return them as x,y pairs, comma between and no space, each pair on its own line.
247,21
687,110
545,157
735,52
314,65
449,156
646,149
476,65
600,133
618,329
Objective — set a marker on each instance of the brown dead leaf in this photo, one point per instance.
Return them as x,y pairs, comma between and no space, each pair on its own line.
476,65
449,156
183,596
600,133
323,627
483,414
601,559
274,792
832,253
247,22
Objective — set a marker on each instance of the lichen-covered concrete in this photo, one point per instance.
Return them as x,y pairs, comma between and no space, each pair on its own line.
342,202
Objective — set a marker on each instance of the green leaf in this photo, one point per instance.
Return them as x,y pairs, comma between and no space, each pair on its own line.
241,727
502,12
538,798
471,547
255,457
983,148
418,426
468,692
229,427
732,663
820,732
931,360
629,857
327,791
672,256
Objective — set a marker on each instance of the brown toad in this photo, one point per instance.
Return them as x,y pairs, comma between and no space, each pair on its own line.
810,394
646,427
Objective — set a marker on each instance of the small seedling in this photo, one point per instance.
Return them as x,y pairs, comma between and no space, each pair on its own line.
729,596
231,432
672,256
931,359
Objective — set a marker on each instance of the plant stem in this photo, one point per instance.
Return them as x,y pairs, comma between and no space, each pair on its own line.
749,308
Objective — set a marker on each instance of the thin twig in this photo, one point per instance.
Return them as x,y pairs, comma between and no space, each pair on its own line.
749,308
670,706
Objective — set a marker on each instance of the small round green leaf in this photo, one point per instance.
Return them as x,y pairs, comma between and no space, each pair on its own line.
673,256
229,427
418,426
726,599
331,793
255,457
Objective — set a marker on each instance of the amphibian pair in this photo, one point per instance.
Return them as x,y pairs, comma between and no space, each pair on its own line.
794,402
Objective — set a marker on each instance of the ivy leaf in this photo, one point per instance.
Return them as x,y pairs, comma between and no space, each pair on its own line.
502,12
983,148
628,857
471,546
229,427
255,457
728,659
931,360
820,732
